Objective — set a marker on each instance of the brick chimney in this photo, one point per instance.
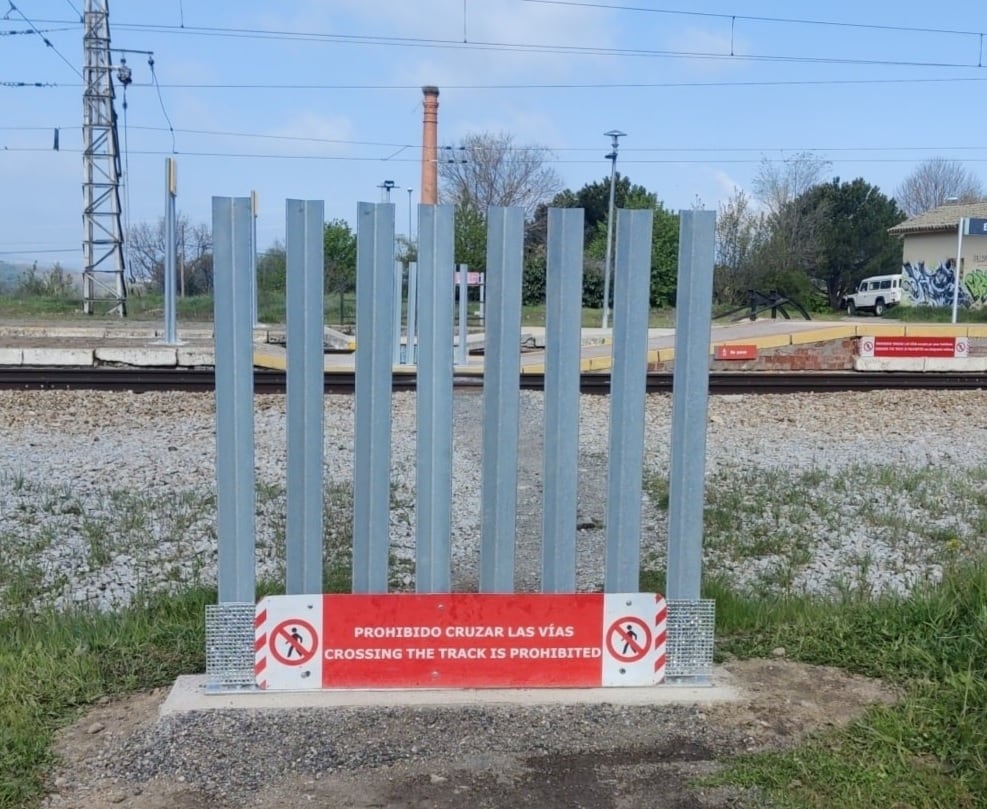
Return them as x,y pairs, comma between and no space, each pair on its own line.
430,152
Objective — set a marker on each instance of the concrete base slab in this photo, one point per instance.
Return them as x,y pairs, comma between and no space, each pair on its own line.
11,356
41,357
147,356
193,357
189,695
921,364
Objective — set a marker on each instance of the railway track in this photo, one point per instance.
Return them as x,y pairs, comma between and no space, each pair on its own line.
267,381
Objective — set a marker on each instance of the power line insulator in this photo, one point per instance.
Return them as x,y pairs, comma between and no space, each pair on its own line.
124,74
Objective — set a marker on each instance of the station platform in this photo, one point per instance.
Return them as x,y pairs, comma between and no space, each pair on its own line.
760,345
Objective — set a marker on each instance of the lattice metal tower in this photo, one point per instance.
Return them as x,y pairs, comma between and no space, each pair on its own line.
102,246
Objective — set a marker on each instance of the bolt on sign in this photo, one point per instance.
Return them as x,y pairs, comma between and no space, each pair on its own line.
461,640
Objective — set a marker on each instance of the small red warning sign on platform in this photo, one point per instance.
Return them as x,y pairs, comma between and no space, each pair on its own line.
460,640
735,351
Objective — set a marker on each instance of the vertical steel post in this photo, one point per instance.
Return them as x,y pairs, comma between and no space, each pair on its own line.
563,323
501,399
433,509
374,352
956,269
632,283
609,249
462,356
254,210
305,391
234,399
412,355
398,294
690,394
171,247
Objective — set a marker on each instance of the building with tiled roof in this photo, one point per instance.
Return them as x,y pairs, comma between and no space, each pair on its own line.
929,251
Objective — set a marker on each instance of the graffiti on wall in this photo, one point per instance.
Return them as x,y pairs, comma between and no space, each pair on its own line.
976,285
924,287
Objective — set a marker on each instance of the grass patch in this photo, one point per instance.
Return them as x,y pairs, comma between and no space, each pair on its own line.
56,664
930,750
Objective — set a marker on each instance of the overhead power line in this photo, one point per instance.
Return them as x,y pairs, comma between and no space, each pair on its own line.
640,149
605,85
30,31
706,160
759,18
576,50
45,39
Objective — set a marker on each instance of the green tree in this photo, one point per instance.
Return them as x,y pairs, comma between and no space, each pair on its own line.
471,236
740,233
271,266
339,256
594,198
793,227
854,240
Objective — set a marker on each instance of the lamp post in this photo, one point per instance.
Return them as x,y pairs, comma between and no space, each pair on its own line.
388,186
409,217
614,136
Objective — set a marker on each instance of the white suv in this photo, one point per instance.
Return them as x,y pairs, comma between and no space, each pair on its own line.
876,294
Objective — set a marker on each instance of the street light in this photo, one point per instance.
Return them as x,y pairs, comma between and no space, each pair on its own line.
409,217
388,186
614,135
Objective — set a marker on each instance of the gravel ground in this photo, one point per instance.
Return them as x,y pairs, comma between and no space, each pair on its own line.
105,493
102,494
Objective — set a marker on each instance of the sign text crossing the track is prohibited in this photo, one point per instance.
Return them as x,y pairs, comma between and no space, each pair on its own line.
461,640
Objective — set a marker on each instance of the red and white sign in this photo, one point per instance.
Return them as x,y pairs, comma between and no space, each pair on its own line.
735,351
914,347
473,279
460,640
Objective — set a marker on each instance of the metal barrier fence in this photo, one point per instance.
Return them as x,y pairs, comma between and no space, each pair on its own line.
690,620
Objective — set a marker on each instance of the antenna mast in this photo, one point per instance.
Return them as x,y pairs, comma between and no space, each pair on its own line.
102,246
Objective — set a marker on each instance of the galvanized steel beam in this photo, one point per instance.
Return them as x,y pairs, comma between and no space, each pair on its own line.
304,226
374,353
690,399
563,324
433,509
501,398
234,399
632,284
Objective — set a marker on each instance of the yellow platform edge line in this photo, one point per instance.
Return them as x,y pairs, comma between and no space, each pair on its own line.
880,330
936,331
823,335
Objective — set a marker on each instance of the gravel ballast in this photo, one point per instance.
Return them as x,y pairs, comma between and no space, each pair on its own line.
103,494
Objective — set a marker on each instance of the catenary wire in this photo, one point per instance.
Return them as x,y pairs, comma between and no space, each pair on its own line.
45,39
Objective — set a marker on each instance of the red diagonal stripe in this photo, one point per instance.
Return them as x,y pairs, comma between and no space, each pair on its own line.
260,619
260,642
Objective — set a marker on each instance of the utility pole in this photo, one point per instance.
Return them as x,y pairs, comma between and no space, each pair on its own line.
614,135
102,246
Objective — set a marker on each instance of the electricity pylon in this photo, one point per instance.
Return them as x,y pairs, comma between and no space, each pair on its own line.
102,246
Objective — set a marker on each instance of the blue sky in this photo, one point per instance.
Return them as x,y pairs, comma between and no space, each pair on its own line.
320,99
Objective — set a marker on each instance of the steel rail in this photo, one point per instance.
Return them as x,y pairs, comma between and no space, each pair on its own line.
271,381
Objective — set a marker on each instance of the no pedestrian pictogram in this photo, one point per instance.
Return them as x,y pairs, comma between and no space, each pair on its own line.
629,639
294,642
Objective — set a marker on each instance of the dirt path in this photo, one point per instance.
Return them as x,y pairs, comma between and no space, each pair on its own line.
598,756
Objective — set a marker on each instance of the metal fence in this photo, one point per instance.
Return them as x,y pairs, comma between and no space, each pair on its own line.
432,309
